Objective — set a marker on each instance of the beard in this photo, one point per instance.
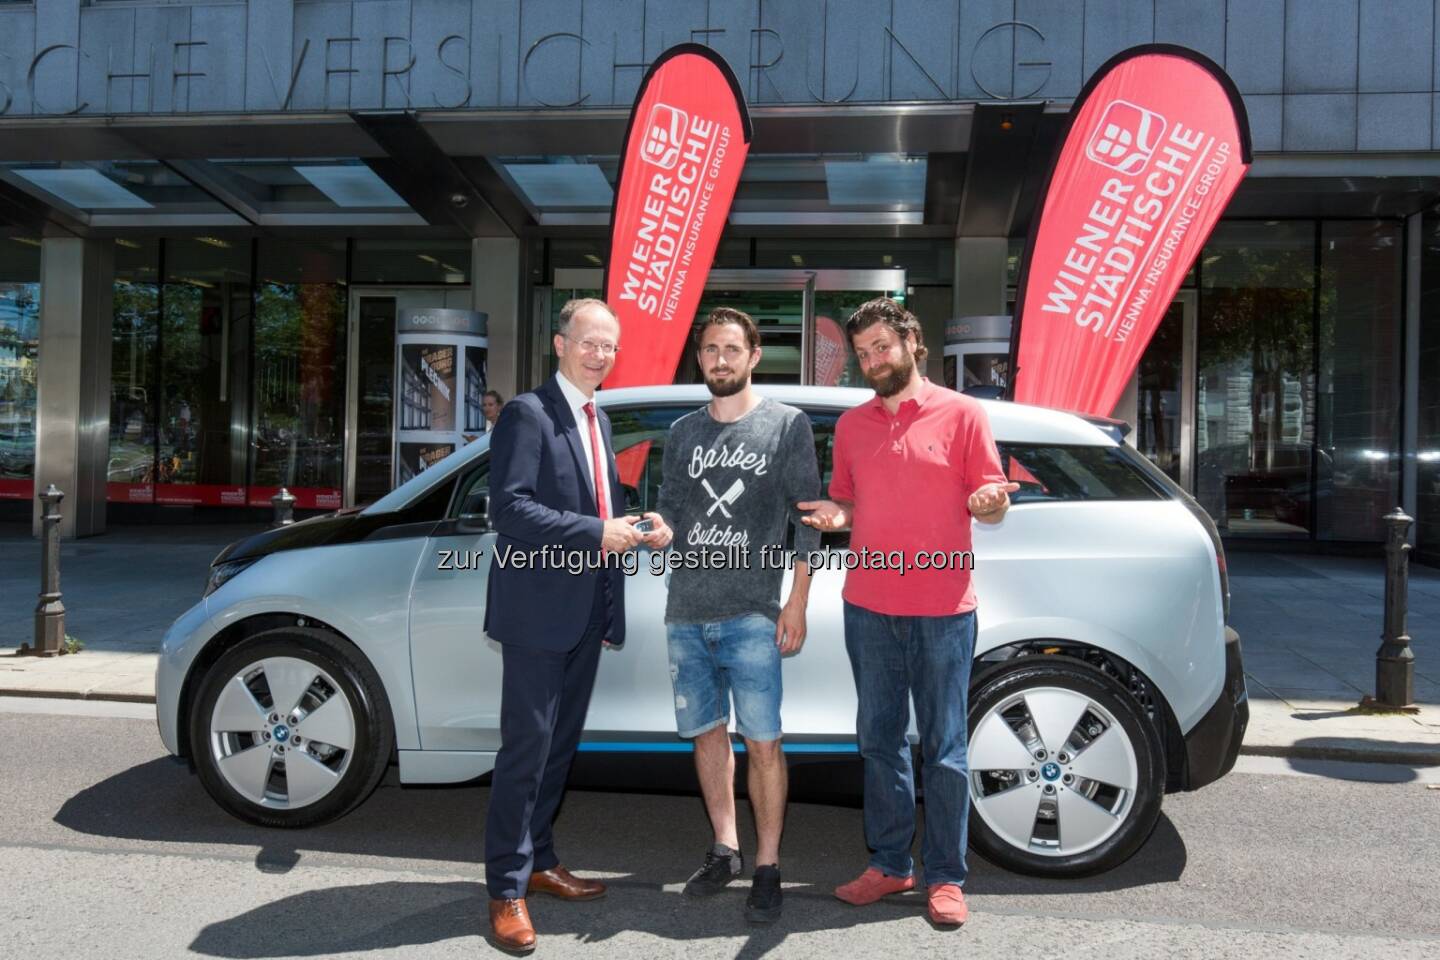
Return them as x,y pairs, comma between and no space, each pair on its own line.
736,382
893,378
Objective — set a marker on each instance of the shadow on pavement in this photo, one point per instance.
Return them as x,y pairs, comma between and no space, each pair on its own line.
650,838
395,915
391,915
1342,758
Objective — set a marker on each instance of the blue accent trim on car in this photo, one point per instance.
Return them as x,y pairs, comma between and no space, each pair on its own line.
670,746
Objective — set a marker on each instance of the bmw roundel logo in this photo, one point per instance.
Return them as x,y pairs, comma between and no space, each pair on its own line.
1051,772
281,733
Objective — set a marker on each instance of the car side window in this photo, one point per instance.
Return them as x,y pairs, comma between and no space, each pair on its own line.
822,423
474,489
1072,472
638,436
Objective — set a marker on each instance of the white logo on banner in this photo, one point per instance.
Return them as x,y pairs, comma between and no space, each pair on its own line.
664,132
1126,137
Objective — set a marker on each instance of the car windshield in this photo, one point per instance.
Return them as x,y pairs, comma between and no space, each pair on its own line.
412,490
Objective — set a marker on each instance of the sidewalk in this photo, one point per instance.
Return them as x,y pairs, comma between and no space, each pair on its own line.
1309,627
121,592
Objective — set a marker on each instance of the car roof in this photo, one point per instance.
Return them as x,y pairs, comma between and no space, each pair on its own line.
1009,422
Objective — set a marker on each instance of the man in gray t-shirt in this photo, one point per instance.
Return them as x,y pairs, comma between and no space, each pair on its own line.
734,472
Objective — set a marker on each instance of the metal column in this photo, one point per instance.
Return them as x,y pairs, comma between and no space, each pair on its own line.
72,444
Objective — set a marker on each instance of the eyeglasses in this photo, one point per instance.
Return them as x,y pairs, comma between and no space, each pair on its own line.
604,348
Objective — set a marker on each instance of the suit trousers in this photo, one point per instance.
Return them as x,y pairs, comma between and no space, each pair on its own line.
543,699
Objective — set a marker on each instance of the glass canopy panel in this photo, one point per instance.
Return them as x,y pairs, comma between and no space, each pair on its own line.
282,187
113,187
815,189
554,184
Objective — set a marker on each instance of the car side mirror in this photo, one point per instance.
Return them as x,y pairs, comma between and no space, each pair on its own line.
476,519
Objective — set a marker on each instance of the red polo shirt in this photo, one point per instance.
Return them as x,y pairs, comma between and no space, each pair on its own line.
910,476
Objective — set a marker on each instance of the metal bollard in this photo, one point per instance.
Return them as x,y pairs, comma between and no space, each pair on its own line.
49,611
1395,660
284,504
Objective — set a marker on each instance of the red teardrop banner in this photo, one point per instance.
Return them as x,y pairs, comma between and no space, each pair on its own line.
1158,141
688,136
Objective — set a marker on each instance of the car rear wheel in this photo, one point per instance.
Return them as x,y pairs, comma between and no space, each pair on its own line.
291,728
1066,772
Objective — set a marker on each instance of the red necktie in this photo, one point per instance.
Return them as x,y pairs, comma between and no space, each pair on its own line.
602,508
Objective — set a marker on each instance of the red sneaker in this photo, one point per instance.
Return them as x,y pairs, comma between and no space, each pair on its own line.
947,905
871,886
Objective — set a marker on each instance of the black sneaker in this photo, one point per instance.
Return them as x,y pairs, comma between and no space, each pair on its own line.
763,904
721,866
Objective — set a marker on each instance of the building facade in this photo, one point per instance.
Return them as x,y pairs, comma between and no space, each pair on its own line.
290,242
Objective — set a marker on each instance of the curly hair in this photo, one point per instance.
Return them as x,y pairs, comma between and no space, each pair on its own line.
897,318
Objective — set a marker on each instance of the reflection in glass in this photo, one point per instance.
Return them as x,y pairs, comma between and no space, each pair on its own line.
203,371
1358,469
1157,428
1427,447
299,366
19,351
1256,390
134,371
375,415
410,261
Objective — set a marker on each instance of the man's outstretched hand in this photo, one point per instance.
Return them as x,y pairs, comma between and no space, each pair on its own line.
989,503
825,514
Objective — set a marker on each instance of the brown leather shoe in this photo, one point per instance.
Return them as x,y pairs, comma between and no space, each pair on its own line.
559,882
510,927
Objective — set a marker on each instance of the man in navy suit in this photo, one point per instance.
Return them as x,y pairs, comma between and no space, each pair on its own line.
553,484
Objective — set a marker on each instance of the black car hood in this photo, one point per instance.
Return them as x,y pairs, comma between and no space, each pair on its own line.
417,519
316,532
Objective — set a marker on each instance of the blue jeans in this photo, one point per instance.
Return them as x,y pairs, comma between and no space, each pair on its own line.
711,661
894,658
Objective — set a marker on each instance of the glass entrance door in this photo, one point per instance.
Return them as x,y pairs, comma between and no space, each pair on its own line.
371,395
801,315
1163,399
781,302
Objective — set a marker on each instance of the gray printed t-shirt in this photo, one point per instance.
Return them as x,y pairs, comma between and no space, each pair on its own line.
728,490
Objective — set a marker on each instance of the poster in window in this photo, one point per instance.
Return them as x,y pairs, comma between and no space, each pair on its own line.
416,458
427,386
476,378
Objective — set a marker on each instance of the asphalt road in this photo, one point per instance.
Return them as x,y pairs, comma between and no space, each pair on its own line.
111,850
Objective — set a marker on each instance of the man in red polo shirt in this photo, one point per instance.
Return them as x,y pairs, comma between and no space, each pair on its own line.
912,467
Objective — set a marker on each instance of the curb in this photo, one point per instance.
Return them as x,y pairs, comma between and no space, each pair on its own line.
1344,752
80,695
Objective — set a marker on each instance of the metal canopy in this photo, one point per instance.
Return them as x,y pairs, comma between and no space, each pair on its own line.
984,166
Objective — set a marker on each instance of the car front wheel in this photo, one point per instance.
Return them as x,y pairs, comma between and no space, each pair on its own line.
1066,772
291,728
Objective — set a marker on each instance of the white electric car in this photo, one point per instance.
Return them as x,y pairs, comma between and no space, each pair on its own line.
1105,674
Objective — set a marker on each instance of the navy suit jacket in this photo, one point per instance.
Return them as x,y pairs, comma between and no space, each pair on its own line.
541,495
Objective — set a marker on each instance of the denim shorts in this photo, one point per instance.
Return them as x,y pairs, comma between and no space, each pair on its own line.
711,661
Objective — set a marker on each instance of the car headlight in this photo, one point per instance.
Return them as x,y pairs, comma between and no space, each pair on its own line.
221,573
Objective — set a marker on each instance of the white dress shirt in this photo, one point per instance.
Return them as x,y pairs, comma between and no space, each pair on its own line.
577,401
